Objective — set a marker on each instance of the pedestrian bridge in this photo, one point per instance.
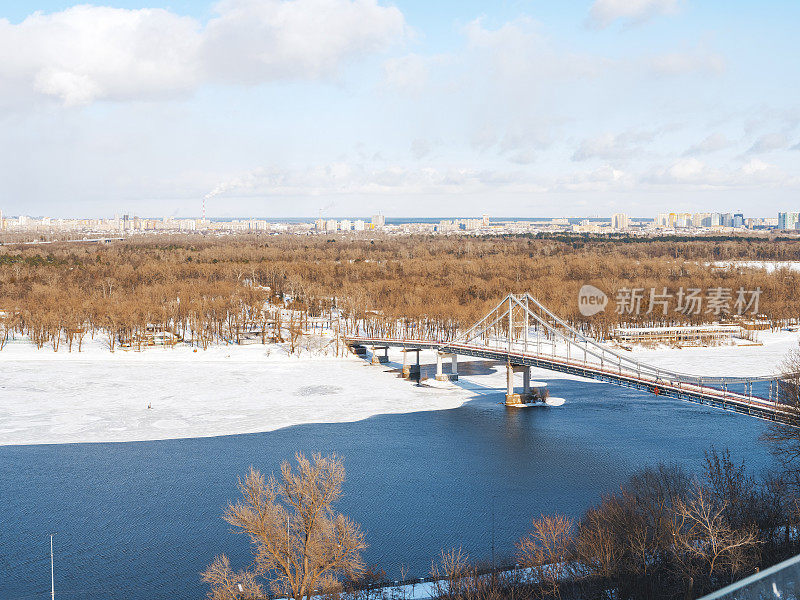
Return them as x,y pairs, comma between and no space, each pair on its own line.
522,333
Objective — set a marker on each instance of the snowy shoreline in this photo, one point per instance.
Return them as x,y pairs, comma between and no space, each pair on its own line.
51,397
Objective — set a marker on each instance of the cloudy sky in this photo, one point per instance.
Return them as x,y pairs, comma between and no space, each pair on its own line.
281,108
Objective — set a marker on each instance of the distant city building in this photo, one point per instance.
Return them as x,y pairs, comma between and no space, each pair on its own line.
620,221
132,225
788,220
683,220
446,226
702,220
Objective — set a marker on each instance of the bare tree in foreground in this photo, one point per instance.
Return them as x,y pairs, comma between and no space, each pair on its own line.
546,551
784,438
300,544
708,540
227,584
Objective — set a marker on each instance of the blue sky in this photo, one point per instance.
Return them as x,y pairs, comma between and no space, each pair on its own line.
349,107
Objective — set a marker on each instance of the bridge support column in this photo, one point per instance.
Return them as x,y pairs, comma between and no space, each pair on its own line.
512,398
409,370
358,349
440,374
378,359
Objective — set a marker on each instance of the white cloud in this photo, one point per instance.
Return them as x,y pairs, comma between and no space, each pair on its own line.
512,79
686,170
87,53
692,173
354,179
769,142
520,51
420,148
251,41
523,157
598,180
712,143
682,63
608,146
604,12
408,73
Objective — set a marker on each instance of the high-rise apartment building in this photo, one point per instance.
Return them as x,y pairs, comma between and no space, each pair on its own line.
620,221
788,220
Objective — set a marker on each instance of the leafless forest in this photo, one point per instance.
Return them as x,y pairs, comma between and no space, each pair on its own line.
207,290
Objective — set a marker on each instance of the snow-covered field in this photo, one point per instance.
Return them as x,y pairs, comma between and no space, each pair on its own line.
734,361
97,396
770,266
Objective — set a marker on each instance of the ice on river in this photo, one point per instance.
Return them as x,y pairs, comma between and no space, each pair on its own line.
97,396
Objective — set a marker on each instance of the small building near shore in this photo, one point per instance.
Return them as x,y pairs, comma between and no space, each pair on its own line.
680,335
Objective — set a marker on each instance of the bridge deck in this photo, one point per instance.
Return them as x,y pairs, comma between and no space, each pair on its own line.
755,406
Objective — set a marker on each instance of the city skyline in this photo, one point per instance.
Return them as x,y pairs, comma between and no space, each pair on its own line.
359,107
699,224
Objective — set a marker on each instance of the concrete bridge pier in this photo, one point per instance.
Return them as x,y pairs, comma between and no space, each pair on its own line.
453,374
378,359
513,398
409,370
358,349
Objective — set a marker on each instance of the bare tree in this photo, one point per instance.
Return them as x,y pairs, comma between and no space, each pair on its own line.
546,549
703,534
229,585
784,438
299,542
453,575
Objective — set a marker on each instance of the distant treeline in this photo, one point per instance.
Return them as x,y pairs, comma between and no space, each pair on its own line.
213,287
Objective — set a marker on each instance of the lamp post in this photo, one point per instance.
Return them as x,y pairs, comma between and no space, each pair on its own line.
52,571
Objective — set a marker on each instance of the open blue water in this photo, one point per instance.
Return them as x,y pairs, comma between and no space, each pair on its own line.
140,520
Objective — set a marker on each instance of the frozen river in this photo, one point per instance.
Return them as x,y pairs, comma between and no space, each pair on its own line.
140,520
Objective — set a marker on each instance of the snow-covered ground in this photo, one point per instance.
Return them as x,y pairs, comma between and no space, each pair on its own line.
94,396
718,361
97,396
770,266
